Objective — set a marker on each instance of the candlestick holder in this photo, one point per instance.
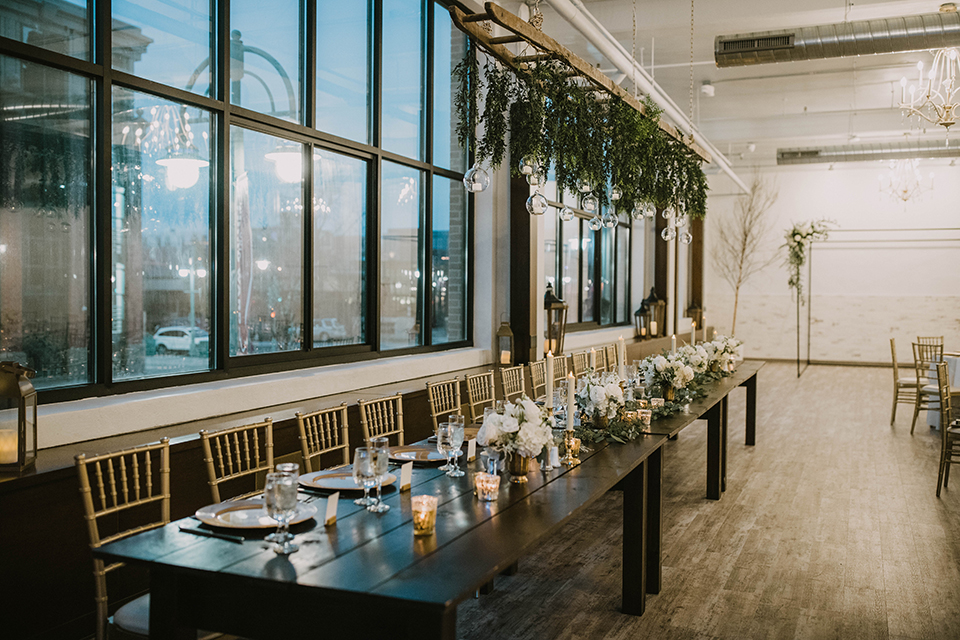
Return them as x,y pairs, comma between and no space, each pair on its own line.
571,449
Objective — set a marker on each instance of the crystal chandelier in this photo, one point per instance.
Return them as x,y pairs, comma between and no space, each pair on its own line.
904,181
934,97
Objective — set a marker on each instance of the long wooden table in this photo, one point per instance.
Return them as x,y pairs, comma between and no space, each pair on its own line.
369,576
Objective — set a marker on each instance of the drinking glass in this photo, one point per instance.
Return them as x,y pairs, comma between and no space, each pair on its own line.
488,411
291,469
500,407
361,471
381,463
444,443
280,498
456,442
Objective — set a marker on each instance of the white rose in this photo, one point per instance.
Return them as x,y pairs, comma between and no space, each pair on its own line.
531,412
509,424
660,363
490,430
614,392
597,394
688,373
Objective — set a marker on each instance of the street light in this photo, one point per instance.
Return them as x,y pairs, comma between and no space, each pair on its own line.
193,274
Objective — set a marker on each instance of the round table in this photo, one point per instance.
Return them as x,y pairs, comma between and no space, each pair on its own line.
953,366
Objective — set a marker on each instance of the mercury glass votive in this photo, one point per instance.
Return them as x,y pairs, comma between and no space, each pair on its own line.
488,486
656,403
646,415
642,403
424,515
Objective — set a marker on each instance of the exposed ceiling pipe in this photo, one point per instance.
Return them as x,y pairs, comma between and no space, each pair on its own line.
841,39
867,152
583,21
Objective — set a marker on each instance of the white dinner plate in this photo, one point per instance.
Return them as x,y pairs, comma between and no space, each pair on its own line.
248,514
337,480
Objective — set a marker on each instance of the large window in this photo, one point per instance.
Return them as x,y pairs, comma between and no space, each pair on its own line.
276,190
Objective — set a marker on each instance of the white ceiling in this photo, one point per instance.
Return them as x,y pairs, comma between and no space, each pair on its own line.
795,104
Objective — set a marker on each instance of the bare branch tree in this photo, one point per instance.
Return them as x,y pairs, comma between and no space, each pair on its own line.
736,255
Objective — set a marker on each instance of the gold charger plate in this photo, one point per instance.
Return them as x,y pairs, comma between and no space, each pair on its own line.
248,514
337,480
416,453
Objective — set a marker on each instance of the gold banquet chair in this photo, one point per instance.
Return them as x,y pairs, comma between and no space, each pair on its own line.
949,429
321,432
580,361
613,360
904,387
601,360
559,370
538,378
925,358
382,417
511,383
480,394
235,453
444,397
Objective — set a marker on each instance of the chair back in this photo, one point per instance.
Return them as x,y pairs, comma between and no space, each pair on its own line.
444,399
580,361
511,382
237,452
133,478
943,386
538,377
321,432
925,356
382,418
480,393
601,359
559,368
893,353
613,360
930,340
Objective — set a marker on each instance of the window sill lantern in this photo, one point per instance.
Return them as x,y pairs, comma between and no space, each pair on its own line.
18,447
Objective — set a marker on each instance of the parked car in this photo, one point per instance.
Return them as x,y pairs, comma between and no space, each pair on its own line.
326,329
178,339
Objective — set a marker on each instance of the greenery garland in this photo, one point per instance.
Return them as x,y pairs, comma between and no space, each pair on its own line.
499,82
798,240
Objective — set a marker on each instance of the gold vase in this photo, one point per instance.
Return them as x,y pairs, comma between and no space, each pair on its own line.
668,394
518,467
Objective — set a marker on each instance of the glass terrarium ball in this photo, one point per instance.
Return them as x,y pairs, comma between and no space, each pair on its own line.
686,237
609,219
476,180
615,194
637,212
567,214
667,213
528,165
536,179
584,186
668,234
682,221
649,211
590,203
596,223
537,204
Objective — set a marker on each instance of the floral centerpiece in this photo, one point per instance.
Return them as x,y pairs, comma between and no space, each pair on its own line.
522,429
798,240
726,349
670,372
600,396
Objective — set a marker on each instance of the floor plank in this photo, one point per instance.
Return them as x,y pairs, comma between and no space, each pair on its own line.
830,528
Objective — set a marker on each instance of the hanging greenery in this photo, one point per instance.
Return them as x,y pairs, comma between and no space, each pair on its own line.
467,77
496,104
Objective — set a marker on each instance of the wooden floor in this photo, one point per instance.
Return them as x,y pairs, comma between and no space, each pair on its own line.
830,528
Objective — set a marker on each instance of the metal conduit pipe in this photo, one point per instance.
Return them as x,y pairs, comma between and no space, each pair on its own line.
583,21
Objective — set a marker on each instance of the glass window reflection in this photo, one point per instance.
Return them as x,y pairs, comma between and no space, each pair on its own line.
401,212
265,56
339,240
607,275
63,27
167,41
449,47
623,271
160,229
449,270
403,77
266,240
45,279
343,68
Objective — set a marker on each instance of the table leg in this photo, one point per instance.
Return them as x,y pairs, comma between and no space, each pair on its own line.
654,531
634,541
723,444
751,385
164,609
714,451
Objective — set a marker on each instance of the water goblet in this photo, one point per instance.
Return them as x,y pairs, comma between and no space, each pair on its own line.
381,463
280,499
443,444
291,469
361,471
456,442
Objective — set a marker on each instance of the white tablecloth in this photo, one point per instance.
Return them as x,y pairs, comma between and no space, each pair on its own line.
953,365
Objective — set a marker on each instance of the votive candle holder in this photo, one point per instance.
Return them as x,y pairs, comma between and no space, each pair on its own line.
424,515
488,486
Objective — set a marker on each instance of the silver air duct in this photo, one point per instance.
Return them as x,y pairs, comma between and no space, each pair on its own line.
868,152
842,39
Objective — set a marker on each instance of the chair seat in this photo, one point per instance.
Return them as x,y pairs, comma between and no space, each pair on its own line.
134,617
907,381
932,389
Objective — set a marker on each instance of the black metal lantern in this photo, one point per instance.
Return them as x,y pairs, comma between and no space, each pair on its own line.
641,320
505,353
652,315
18,447
556,321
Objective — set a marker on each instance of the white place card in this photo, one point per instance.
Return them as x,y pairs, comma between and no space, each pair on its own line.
331,517
471,449
406,474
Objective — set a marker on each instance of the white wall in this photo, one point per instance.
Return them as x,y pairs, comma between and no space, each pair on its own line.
866,286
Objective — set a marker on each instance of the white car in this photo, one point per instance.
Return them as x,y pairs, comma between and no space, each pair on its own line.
178,339
327,329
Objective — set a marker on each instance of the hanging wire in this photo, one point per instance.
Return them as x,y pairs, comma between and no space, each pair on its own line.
691,67
633,51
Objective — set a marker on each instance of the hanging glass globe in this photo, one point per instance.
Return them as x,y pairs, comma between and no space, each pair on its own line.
682,221
667,213
528,165
615,194
584,186
567,214
590,203
649,211
596,223
610,219
637,212
476,180
668,234
536,179
686,237
537,204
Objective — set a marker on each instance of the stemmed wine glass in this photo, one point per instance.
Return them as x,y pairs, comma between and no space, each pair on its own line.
290,469
449,441
280,498
363,475
381,462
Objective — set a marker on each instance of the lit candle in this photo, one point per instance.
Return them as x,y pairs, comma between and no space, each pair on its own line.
593,358
622,347
673,343
653,327
424,514
643,332
505,357
693,333
714,334
704,329
488,486
571,400
549,390
8,447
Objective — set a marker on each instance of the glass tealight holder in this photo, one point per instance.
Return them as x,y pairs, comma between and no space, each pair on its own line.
646,415
488,486
643,403
424,515
656,403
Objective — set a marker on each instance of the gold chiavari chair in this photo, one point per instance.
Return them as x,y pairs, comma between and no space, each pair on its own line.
580,361
511,382
137,478
237,452
925,358
613,361
538,377
559,369
444,399
949,428
321,432
933,340
382,418
601,360
904,387
480,394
